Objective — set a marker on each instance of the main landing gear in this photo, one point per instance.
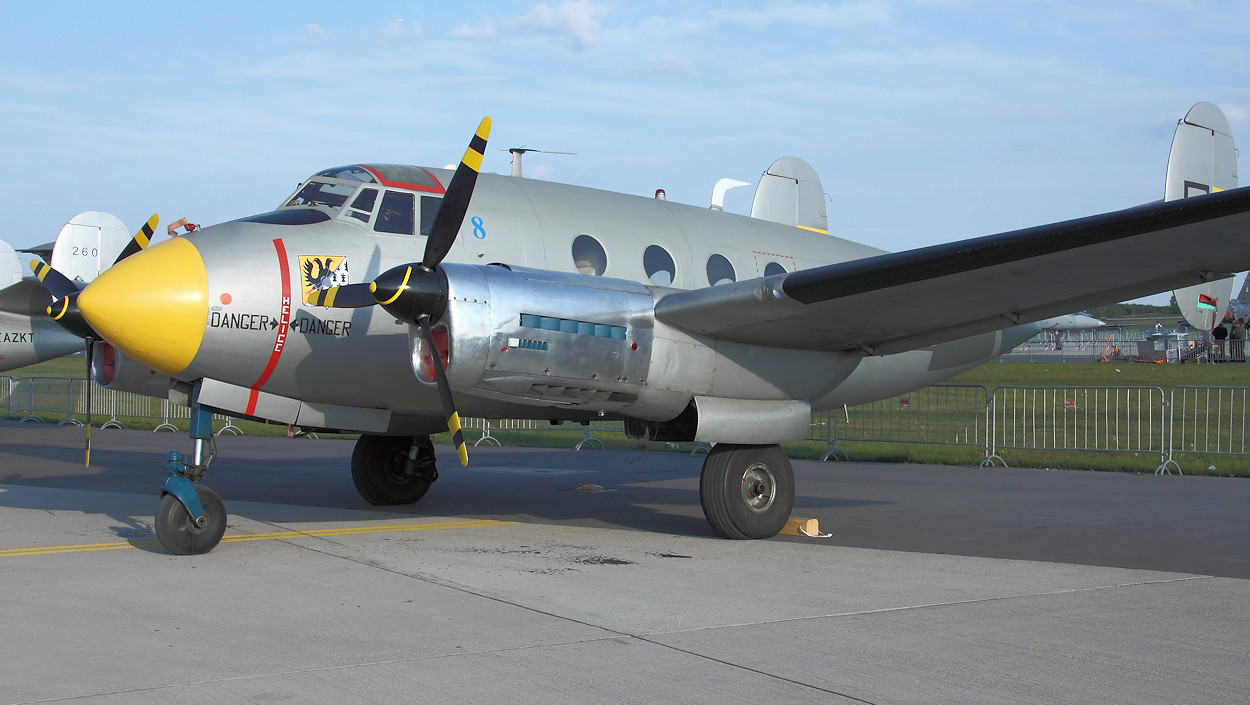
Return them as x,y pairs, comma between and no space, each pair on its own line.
747,492
191,518
393,469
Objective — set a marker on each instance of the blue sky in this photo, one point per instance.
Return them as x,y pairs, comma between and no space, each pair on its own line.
928,120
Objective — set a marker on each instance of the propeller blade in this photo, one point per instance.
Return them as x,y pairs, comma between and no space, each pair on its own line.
90,352
57,284
444,392
346,296
140,240
456,200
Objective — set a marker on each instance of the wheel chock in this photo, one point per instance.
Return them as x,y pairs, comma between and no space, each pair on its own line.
803,527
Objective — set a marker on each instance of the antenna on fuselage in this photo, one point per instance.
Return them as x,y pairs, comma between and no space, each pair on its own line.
518,151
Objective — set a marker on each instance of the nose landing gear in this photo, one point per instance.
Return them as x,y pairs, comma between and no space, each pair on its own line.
191,518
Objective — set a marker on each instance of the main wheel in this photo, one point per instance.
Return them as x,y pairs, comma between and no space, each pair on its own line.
747,492
378,469
177,531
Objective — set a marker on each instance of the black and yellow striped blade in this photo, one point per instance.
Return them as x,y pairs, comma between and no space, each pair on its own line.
141,239
56,283
456,201
346,296
444,392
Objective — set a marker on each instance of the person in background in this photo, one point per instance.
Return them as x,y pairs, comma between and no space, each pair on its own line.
172,230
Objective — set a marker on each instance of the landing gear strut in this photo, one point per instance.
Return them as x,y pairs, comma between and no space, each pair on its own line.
393,469
747,492
191,518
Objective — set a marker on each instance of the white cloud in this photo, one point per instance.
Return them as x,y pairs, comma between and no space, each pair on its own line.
402,28
577,23
483,32
822,15
314,30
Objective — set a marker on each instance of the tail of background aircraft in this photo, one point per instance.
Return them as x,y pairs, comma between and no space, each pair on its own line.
1203,160
11,268
790,193
88,244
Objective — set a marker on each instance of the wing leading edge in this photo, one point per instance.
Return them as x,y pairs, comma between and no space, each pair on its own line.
907,300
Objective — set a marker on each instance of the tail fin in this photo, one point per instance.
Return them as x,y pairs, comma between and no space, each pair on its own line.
88,244
1203,160
790,193
11,269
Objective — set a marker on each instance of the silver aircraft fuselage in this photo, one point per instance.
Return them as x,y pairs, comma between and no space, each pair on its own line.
274,357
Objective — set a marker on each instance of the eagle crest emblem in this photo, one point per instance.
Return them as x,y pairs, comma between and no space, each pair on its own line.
320,272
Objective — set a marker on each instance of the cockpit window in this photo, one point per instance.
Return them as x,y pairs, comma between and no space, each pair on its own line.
362,207
349,173
320,193
429,210
396,214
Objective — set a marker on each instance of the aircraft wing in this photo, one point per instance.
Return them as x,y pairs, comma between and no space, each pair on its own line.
25,298
907,300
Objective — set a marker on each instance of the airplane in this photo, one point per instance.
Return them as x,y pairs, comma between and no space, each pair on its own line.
1239,307
84,245
386,300
1202,160
1070,322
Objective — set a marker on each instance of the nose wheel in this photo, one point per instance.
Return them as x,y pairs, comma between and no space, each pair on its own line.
182,534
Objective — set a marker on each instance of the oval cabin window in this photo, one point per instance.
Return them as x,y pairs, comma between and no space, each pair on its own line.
589,256
659,266
720,271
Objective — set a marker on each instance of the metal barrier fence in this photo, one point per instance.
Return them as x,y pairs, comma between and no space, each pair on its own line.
30,399
587,440
1210,420
1129,419
1191,419
951,414
6,395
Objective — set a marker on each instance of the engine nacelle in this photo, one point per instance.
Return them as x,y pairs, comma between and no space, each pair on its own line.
114,370
550,339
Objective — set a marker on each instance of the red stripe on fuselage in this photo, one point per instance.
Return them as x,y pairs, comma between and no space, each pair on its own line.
284,325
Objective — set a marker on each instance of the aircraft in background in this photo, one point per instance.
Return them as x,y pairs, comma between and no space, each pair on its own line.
1239,306
388,299
82,249
1203,160
1070,322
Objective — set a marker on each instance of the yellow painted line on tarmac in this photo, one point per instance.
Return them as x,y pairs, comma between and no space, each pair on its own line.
275,536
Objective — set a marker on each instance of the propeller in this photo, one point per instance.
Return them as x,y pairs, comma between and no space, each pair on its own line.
416,293
64,308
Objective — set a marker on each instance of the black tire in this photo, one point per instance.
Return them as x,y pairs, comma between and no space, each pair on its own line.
747,492
378,469
179,534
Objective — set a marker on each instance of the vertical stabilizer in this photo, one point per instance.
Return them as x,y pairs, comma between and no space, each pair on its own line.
88,244
1203,160
11,268
790,193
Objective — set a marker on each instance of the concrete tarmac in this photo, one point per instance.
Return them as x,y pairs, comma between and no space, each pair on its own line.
511,583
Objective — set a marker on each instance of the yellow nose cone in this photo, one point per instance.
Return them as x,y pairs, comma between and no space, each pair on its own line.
153,305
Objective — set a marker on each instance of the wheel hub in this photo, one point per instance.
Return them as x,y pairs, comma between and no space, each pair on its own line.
759,488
